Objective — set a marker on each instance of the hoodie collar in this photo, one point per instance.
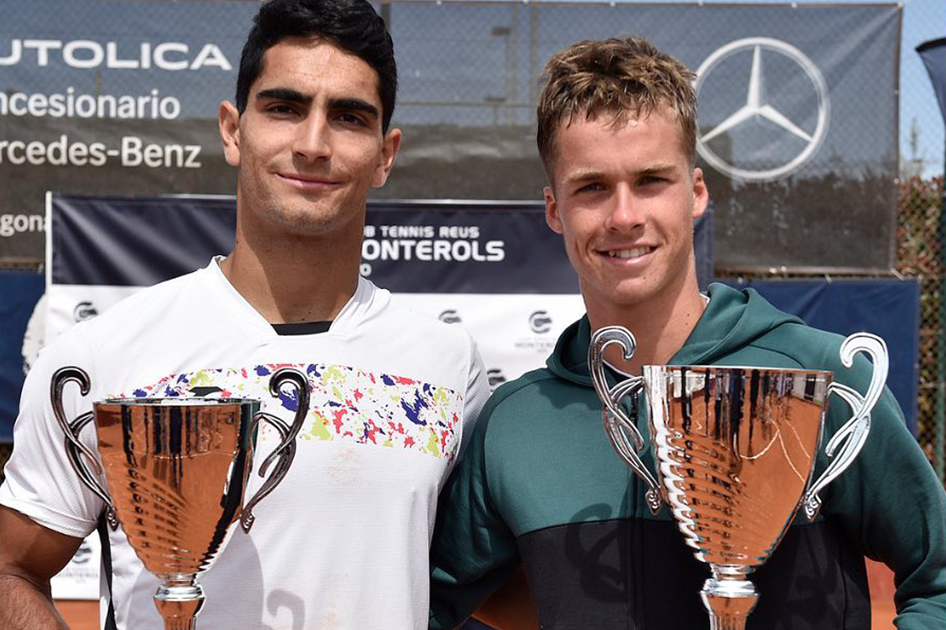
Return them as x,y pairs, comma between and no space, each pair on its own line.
732,320
569,360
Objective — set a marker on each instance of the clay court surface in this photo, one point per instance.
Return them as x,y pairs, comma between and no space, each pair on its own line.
84,615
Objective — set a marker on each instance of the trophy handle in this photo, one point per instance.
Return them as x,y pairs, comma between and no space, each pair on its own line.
286,451
75,449
851,437
622,431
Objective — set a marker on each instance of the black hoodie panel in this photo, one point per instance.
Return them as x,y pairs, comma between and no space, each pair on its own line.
636,574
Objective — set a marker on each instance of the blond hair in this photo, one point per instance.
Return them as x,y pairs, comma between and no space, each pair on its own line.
623,78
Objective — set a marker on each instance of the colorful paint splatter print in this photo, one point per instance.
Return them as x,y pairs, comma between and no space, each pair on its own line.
346,404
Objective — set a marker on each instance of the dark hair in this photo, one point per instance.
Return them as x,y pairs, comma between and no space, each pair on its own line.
352,25
623,78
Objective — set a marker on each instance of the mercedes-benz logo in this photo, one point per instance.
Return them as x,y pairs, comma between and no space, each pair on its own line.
757,109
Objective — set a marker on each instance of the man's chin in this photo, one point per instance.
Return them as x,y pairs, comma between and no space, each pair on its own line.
305,228
617,297
312,222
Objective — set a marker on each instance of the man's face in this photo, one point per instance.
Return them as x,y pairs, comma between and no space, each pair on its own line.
624,199
309,144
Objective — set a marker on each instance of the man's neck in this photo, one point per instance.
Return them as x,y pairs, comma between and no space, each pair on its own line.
660,327
294,279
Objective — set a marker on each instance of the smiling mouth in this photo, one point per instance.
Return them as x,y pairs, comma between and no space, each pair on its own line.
307,182
634,252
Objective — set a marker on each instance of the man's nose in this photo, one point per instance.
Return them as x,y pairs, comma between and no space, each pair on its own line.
626,213
312,140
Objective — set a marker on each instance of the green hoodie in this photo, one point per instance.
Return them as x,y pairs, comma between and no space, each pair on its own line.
541,486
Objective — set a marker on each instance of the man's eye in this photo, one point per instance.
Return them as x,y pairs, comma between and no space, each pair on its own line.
590,188
280,109
652,179
351,119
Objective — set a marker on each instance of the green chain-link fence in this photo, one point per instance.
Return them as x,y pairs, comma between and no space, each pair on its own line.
920,254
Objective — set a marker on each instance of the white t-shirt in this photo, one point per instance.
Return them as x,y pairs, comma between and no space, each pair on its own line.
343,541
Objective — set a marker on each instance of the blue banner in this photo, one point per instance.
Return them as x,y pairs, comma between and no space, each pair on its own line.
933,54
888,308
19,292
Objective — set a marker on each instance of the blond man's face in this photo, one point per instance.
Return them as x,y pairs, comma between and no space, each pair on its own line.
624,198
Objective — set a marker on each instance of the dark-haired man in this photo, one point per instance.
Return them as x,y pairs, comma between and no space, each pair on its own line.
540,485
343,541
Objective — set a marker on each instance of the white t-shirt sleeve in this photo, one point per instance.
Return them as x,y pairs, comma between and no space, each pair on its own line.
477,392
40,481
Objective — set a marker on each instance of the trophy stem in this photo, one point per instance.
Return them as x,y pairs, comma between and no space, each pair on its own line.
179,600
729,602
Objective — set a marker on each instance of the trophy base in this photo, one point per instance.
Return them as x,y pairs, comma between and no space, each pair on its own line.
179,600
729,602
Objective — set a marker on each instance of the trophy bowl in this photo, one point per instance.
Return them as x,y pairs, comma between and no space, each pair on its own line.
735,449
176,473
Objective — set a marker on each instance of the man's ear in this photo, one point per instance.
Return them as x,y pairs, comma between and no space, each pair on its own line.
228,120
700,194
389,148
551,211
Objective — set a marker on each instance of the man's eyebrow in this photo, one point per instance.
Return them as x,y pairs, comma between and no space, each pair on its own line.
355,105
658,169
284,94
591,174
583,175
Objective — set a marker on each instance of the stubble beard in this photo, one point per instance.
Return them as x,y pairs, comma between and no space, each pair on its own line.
297,216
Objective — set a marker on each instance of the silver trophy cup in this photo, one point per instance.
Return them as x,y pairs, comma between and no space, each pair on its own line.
735,449
176,471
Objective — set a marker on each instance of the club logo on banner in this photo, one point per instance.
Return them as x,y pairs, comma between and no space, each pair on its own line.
83,554
450,316
540,322
84,310
540,342
496,377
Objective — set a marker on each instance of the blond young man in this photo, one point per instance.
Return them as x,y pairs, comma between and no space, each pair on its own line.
540,487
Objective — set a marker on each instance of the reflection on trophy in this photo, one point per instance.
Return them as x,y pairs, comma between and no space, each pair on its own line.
735,450
176,470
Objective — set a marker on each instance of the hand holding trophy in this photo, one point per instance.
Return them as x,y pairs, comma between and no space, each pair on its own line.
176,470
736,449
